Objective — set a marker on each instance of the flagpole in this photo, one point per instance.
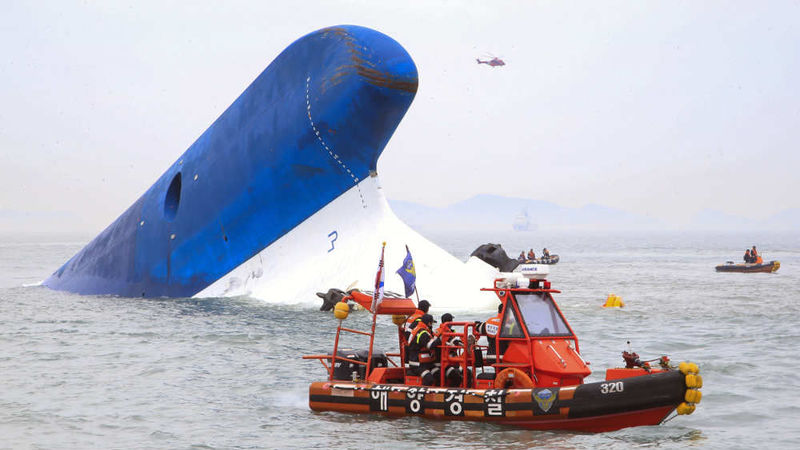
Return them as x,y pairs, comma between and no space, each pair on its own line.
375,304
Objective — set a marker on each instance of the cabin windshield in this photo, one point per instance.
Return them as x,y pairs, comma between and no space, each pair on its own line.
540,315
511,328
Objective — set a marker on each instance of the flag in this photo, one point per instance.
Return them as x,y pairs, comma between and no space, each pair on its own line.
408,273
377,296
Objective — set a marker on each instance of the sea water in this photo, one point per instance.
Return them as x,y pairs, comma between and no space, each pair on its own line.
110,372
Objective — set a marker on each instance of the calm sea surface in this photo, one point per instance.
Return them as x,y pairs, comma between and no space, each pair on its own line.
107,372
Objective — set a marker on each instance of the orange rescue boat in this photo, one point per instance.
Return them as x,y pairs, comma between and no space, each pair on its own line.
536,383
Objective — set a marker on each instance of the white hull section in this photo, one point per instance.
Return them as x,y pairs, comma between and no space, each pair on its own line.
339,247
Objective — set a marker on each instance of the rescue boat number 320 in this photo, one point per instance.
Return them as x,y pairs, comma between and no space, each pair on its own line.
610,388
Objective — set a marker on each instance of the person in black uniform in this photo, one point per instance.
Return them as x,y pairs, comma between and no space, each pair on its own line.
422,350
413,319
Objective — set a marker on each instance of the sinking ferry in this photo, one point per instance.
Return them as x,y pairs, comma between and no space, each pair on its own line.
280,194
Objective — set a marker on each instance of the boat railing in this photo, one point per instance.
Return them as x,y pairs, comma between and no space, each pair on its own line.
462,355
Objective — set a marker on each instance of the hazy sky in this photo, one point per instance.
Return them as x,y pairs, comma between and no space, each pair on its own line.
658,108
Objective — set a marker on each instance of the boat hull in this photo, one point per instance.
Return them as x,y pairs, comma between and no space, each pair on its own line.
767,267
592,407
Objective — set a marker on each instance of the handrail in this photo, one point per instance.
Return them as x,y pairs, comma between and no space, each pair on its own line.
563,363
512,364
357,331
465,359
517,289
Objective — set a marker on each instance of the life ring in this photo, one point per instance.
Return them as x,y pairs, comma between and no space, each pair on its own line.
514,378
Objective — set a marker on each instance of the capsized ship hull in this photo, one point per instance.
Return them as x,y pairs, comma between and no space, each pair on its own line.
273,189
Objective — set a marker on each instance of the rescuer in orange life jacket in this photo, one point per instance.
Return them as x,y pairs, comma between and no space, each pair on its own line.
413,319
422,350
490,329
452,372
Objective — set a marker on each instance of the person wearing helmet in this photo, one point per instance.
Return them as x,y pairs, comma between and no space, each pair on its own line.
421,351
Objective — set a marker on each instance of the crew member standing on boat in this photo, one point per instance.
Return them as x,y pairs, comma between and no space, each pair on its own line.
747,258
413,319
421,351
755,256
490,328
531,255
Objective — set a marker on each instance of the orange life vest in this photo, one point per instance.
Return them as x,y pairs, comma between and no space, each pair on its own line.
412,323
425,354
492,326
413,318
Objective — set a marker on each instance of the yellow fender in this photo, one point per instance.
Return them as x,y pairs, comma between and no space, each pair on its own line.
688,367
693,396
685,409
341,310
694,381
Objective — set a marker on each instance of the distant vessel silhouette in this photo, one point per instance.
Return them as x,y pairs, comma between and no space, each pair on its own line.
522,221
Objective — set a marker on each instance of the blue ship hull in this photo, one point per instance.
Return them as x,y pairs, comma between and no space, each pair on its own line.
308,129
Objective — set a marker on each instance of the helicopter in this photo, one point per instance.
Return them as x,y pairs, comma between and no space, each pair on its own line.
493,62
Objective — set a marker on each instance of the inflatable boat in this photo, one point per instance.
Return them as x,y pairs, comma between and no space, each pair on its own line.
767,267
552,259
536,381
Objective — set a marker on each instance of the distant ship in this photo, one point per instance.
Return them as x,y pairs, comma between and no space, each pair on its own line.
522,222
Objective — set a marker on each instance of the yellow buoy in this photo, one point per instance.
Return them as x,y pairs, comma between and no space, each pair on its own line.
684,367
398,319
341,310
693,368
613,302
